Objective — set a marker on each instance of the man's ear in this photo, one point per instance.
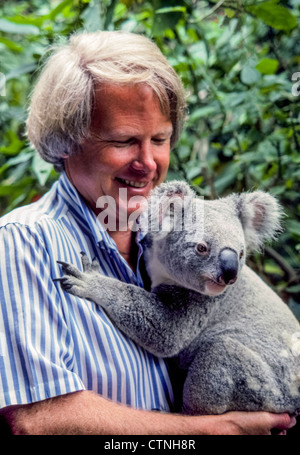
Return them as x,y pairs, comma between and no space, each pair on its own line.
167,203
260,214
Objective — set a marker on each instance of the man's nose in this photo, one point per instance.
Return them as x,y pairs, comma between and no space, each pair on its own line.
144,160
228,266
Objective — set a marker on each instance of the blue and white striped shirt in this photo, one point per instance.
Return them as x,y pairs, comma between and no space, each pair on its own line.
53,343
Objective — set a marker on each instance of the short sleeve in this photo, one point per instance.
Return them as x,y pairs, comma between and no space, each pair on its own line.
36,350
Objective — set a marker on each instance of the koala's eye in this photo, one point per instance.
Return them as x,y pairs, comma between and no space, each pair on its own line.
202,248
241,254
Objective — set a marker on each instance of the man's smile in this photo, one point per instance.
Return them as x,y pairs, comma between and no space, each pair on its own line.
132,183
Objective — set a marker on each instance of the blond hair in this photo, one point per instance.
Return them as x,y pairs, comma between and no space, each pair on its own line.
63,98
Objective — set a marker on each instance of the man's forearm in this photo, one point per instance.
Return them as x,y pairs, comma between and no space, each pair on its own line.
89,414
86,413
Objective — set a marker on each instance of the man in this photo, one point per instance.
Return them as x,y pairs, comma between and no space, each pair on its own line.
106,110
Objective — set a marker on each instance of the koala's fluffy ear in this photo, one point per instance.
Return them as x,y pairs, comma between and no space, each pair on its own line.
173,189
166,200
260,214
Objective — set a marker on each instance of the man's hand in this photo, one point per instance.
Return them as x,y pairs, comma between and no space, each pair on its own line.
256,423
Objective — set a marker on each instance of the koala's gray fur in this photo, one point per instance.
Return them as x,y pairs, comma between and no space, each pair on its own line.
232,335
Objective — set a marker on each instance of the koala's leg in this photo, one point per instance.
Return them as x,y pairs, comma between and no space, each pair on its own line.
228,376
208,388
138,313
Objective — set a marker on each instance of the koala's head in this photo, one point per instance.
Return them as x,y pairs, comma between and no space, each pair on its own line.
201,244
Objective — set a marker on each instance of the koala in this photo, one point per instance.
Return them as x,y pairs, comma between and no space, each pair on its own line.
232,337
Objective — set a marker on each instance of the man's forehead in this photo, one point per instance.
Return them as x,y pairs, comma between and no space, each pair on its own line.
122,108
120,93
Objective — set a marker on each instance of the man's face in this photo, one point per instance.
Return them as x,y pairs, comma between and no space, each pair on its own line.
128,148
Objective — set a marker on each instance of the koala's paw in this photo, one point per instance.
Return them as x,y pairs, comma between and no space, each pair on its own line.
76,282
89,267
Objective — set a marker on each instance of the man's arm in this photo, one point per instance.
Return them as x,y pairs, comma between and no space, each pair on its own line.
87,413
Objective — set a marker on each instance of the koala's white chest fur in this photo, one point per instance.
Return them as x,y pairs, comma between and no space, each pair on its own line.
158,272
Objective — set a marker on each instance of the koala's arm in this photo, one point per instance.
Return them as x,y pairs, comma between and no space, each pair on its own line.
159,327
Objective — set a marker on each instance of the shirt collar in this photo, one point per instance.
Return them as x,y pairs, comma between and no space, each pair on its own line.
85,214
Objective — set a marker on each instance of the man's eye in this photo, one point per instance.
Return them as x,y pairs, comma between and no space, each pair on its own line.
159,140
122,143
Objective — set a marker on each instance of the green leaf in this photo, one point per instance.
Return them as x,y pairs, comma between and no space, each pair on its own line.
29,20
59,8
171,9
192,169
198,180
11,45
201,112
14,144
227,177
174,175
276,16
166,18
273,269
293,227
267,66
92,17
294,289
23,157
23,69
229,13
110,14
250,75
41,169
8,26
199,52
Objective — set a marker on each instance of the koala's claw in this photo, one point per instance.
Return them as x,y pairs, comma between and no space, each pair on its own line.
87,265
64,264
73,283
69,269
76,282
65,283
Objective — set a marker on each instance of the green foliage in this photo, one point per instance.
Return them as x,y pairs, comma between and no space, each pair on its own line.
238,61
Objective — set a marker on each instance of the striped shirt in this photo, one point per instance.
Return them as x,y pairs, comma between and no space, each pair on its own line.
53,343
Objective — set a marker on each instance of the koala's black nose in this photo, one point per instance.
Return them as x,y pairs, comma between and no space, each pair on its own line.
228,266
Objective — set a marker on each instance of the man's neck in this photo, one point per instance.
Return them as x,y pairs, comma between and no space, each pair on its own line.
125,241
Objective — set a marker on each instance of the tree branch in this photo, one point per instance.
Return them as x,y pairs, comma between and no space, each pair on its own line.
283,264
